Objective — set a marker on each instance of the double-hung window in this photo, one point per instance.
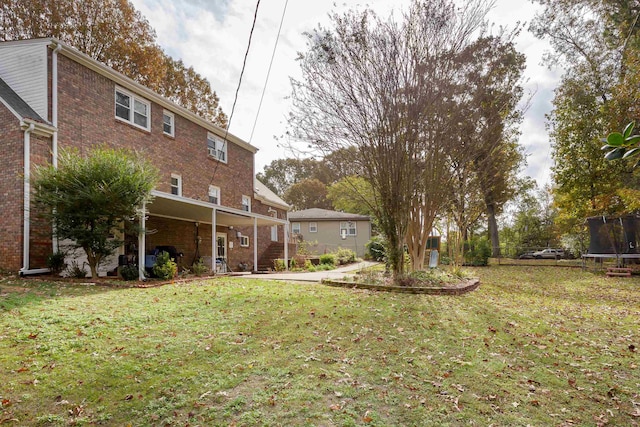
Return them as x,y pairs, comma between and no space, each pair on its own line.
168,123
295,227
347,228
176,184
246,203
313,227
214,195
133,109
216,147
244,241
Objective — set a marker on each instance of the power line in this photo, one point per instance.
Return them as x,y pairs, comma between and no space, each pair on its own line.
273,54
235,99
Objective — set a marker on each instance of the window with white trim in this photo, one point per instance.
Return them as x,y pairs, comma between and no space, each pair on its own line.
176,184
347,228
214,194
216,147
132,109
168,123
244,241
313,227
246,203
295,227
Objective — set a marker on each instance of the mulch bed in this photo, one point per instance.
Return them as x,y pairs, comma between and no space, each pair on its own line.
457,289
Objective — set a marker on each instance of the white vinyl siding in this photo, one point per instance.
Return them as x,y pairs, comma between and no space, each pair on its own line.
24,69
216,147
168,123
132,109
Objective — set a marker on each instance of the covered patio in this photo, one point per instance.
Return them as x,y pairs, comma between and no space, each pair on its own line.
208,217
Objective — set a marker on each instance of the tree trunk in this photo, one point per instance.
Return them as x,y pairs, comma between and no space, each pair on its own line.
493,230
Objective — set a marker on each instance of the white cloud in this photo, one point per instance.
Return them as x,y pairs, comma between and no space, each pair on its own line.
212,37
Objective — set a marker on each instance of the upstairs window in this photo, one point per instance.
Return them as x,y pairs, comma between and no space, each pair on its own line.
313,227
132,109
347,228
176,184
168,126
214,195
246,203
216,147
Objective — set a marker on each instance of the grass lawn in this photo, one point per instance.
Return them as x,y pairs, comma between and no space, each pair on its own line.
532,346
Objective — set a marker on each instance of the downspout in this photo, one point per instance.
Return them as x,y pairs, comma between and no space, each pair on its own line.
54,119
27,200
286,242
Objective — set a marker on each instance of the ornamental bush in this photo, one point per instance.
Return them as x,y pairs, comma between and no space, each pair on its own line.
164,267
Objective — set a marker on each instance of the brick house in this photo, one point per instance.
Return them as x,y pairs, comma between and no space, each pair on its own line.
207,203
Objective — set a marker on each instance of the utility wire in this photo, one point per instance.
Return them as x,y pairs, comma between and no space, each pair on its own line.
235,99
266,80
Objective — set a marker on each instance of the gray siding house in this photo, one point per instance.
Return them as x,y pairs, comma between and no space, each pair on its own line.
326,231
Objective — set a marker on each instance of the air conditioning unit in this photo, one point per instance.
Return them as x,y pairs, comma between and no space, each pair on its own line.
212,152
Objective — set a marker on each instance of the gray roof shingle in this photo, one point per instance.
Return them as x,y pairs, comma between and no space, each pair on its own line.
318,214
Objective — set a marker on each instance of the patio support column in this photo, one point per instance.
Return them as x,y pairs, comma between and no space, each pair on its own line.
142,240
286,246
255,243
214,241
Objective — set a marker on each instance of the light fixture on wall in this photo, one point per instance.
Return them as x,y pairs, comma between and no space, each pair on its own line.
271,210
238,234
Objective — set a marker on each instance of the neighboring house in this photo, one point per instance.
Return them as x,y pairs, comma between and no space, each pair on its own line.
207,204
326,231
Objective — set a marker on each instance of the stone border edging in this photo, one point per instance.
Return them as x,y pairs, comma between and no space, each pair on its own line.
463,288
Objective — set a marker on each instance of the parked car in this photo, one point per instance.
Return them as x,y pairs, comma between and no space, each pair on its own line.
549,253
527,255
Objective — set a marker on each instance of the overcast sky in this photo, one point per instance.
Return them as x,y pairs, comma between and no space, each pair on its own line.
212,36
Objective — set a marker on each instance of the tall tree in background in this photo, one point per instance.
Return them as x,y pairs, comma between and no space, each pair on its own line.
382,87
306,194
492,86
114,33
597,43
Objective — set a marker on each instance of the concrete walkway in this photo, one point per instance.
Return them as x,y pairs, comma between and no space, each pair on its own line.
315,276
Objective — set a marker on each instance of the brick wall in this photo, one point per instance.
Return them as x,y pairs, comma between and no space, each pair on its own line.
86,118
40,239
11,190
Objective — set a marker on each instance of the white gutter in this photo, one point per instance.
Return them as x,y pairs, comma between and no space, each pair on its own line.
27,200
54,119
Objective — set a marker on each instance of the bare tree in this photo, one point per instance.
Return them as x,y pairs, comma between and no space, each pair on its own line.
386,87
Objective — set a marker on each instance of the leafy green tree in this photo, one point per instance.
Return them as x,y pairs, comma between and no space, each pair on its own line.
281,174
352,194
597,43
90,199
115,33
306,194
